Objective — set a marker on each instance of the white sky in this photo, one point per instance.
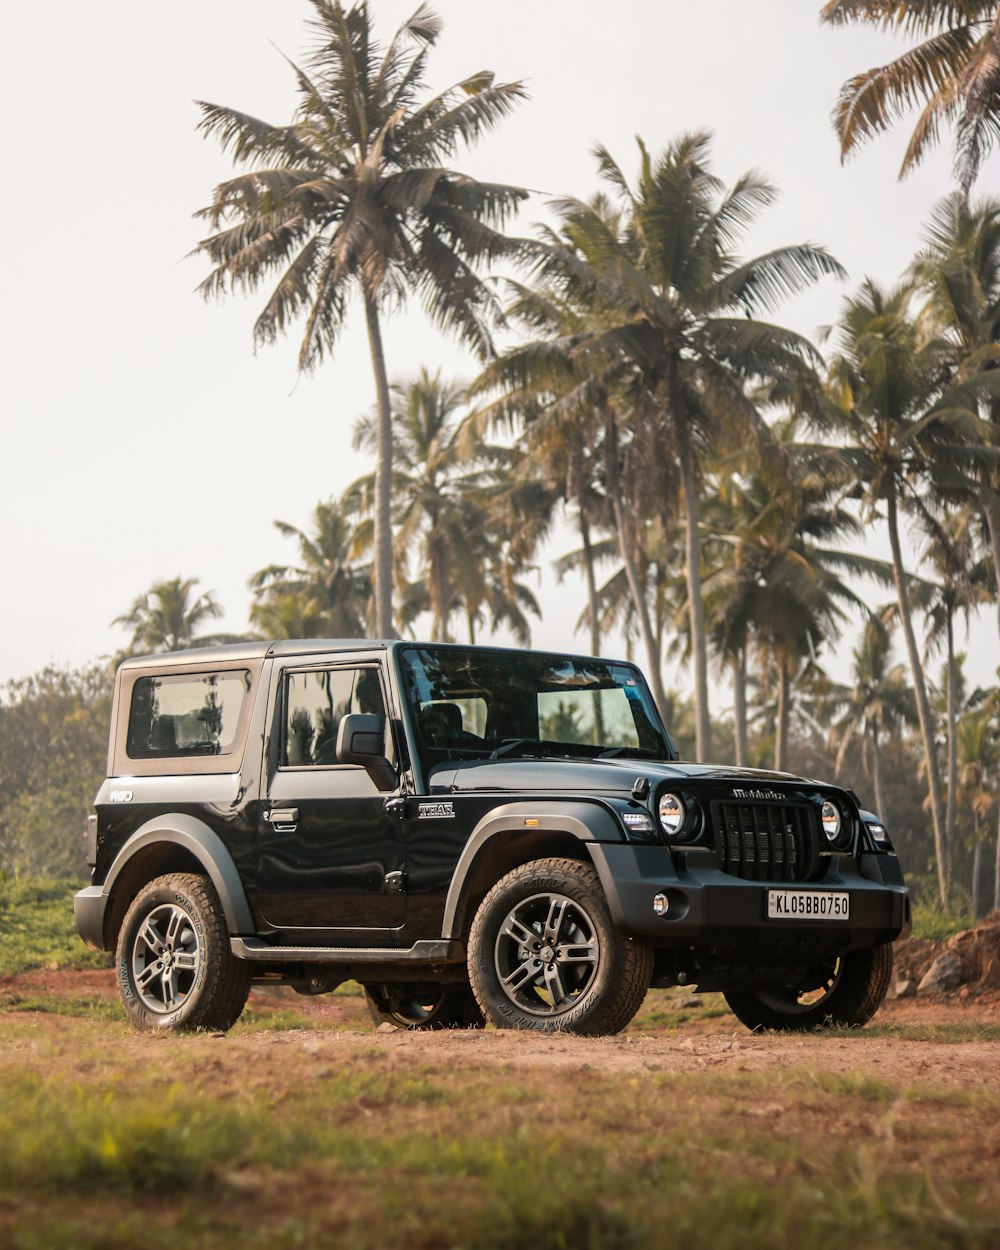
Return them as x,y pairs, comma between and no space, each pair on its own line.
142,439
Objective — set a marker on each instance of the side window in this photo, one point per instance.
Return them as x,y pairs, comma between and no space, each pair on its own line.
191,714
315,703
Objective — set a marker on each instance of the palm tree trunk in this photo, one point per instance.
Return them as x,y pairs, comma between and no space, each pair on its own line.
631,572
949,815
880,808
992,511
382,559
781,720
996,871
593,608
692,568
600,732
924,715
977,866
740,708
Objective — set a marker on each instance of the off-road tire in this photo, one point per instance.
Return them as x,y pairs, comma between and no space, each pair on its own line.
858,984
570,945
411,1007
202,985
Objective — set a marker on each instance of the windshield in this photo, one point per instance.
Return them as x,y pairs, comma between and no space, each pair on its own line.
485,704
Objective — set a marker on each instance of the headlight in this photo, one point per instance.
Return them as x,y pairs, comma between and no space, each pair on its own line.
879,835
836,826
672,813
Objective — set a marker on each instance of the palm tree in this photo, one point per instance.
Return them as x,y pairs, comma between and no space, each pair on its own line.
565,461
563,402
958,270
167,617
885,388
327,594
878,701
953,69
661,339
447,511
778,590
979,765
951,549
352,197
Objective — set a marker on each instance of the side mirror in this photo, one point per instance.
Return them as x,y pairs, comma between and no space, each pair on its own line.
361,740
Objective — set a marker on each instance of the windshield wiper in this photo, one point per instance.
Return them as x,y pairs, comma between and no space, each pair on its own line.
641,753
511,745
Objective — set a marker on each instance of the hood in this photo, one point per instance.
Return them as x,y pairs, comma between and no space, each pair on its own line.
591,775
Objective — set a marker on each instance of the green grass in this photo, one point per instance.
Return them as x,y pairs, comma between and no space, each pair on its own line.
374,1156
37,928
105,1010
931,923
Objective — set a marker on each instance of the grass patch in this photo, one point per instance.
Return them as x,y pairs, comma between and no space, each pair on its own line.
37,928
254,1020
948,1032
402,1154
71,1139
666,1009
104,1010
932,924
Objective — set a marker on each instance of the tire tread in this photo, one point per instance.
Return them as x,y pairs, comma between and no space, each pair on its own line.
228,979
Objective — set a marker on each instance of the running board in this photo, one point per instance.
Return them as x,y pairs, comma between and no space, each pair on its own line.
436,952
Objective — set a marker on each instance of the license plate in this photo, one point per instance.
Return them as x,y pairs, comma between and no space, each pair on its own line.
808,905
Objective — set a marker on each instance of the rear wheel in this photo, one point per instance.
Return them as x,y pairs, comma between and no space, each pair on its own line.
413,1007
847,992
175,968
544,953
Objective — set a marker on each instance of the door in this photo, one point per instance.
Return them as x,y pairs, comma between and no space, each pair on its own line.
330,856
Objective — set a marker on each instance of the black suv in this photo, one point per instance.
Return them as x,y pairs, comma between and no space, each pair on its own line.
472,834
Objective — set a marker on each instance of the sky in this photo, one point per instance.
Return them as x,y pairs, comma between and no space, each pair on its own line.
143,438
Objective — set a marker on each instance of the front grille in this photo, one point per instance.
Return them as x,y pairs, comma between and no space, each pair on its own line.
766,841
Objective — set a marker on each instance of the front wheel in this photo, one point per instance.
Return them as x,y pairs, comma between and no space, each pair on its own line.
413,1007
544,953
847,992
175,968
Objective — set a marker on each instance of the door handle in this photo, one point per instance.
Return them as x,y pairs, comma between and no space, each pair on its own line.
283,819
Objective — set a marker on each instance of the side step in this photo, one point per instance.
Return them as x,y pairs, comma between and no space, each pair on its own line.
430,952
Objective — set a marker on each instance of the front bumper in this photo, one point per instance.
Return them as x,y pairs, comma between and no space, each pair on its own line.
707,908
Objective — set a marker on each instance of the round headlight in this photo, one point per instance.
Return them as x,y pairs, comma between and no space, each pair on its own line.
672,813
833,821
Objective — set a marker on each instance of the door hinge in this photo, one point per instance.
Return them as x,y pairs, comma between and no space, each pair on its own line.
395,882
396,807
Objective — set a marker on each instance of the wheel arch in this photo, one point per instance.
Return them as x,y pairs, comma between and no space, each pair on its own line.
174,843
516,834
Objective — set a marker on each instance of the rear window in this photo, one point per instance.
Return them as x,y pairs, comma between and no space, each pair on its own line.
192,714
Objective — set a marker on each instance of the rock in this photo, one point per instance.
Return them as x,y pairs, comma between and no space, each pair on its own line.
913,956
903,989
944,974
991,974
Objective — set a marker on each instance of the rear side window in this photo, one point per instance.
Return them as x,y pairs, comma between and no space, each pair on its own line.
192,714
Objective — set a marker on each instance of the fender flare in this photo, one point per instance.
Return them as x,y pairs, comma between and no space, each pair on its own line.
587,822
208,849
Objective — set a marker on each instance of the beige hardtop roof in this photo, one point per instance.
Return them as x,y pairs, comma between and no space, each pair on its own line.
237,652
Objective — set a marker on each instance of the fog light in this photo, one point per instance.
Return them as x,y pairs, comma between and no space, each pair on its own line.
661,904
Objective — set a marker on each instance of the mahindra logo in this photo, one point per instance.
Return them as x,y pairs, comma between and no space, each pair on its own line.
756,794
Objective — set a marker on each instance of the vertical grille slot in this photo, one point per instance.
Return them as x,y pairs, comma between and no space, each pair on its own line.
765,841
